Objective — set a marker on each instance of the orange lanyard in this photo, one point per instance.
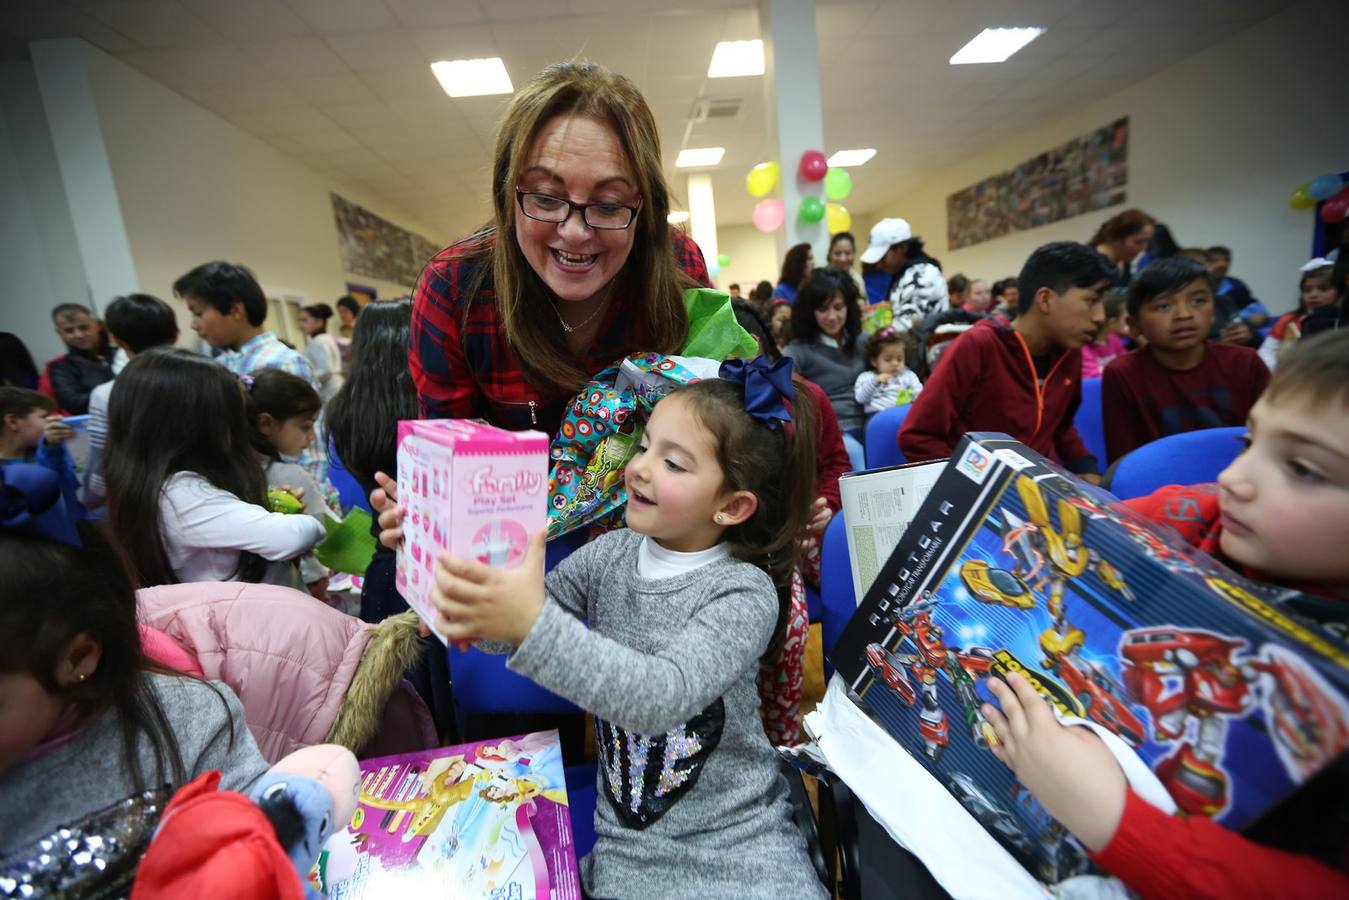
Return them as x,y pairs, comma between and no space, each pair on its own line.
1035,380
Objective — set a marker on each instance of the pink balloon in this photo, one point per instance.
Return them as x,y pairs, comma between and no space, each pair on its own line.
813,165
1336,208
769,214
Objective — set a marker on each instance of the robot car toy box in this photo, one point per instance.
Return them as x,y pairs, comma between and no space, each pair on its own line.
1013,565
472,489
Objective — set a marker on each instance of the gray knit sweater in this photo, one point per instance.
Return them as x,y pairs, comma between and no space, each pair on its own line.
835,372
691,801
83,786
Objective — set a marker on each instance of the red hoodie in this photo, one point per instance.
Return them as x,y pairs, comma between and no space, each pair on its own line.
987,382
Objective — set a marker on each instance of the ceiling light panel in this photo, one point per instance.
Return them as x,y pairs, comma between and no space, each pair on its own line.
473,77
699,157
845,158
994,45
733,59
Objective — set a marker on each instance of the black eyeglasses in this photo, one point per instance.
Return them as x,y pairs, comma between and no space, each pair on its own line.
556,210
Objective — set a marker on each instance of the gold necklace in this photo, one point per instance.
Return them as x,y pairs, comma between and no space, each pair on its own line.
570,329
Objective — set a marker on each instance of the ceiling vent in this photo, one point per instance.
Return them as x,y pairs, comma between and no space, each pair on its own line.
718,110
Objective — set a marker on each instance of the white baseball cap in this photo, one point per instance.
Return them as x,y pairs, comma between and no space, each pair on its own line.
884,234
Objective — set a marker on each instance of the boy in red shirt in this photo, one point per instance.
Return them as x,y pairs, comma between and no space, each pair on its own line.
1179,380
1025,378
1279,513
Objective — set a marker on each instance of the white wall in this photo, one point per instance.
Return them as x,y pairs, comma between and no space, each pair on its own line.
191,187
1217,143
754,257
38,254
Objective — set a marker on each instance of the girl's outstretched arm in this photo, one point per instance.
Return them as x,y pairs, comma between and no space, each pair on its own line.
645,692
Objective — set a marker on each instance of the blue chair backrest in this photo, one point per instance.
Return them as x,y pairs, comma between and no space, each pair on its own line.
483,684
1195,457
349,491
882,439
1089,420
837,597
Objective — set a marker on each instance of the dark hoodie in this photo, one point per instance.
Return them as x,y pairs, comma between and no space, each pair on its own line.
988,382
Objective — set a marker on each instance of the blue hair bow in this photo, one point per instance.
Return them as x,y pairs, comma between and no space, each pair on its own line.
767,387
31,503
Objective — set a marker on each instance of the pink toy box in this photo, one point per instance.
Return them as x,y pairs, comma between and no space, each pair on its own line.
472,489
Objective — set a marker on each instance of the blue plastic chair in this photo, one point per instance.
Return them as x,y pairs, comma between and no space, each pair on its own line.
1090,421
838,600
349,492
1195,457
882,438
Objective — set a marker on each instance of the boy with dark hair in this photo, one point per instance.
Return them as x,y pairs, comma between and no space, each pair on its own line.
1180,380
228,310
84,366
136,323
1279,514
1022,378
29,433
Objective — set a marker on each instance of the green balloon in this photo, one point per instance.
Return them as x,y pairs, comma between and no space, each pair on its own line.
837,184
812,209
723,259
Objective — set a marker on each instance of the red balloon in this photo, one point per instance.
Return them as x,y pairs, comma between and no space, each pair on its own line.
1336,208
813,165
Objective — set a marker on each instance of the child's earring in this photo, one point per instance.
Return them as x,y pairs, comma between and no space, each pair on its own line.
720,519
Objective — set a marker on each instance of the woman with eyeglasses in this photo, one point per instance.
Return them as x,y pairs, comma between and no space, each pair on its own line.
578,267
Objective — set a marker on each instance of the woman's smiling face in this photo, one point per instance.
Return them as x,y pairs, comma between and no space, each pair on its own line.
580,159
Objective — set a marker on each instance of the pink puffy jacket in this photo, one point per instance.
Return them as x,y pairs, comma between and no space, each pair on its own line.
289,657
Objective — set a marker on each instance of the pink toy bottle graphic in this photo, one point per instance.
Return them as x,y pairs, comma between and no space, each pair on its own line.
474,490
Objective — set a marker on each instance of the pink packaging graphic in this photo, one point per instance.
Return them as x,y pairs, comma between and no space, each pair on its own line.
489,819
472,489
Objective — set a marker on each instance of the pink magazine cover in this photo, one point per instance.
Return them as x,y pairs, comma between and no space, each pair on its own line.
482,820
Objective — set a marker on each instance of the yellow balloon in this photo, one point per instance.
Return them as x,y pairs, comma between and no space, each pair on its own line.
1301,199
837,218
762,179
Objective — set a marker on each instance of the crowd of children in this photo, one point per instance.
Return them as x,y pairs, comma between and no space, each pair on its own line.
191,459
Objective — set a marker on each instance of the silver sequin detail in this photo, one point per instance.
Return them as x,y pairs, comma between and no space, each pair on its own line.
93,859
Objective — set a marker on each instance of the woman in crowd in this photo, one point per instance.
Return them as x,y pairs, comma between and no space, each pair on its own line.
1122,237
796,268
578,267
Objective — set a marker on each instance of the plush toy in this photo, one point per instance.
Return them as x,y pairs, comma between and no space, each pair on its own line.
214,843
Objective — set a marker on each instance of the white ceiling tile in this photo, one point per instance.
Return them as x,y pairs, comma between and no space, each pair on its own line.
305,57
406,84
155,24
217,66
335,16
298,120
366,51
460,42
287,145
521,10
361,118
326,141
32,20
248,20
433,13
333,90
255,96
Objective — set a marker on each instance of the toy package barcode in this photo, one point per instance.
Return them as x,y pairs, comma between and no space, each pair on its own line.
488,819
1012,565
472,489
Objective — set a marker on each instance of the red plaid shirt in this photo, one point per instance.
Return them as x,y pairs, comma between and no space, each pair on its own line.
464,367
